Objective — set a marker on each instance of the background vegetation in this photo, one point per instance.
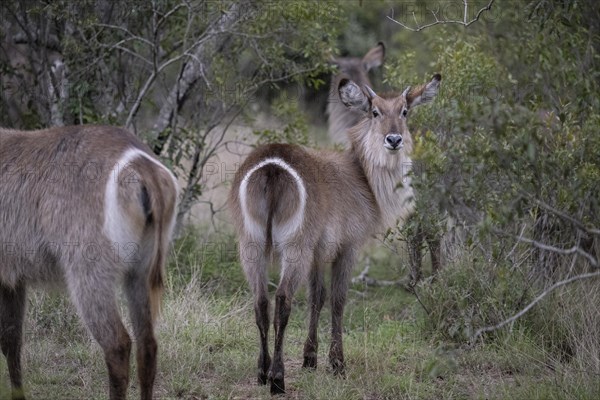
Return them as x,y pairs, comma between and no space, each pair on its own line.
509,171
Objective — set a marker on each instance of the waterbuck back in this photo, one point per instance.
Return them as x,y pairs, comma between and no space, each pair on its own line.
88,208
339,117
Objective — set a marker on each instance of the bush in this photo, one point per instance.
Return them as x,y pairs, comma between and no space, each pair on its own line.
469,295
510,149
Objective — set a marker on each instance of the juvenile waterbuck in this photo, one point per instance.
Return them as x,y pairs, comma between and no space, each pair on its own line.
307,208
339,117
85,207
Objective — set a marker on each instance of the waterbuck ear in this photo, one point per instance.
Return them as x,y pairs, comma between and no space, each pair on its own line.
352,96
424,93
374,57
370,92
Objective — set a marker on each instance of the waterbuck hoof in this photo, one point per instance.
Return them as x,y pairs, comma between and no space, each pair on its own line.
277,386
310,362
262,378
337,367
18,394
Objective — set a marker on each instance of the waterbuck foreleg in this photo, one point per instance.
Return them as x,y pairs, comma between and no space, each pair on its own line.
296,262
316,293
138,297
340,277
254,263
12,308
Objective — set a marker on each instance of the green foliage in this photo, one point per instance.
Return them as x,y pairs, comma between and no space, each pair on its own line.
509,145
512,137
469,295
295,129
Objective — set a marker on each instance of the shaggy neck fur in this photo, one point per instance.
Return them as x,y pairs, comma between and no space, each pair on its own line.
386,172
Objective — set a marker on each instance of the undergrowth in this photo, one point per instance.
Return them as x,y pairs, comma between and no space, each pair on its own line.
208,341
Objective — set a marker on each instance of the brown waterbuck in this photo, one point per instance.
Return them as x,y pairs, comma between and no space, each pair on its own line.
306,208
86,207
339,117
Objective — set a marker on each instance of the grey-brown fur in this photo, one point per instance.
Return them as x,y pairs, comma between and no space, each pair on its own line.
339,117
349,196
52,231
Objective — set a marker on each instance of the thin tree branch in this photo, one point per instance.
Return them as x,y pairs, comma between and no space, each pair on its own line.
190,73
127,31
126,50
528,307
142,93
573,250
465,22
563,215
364,278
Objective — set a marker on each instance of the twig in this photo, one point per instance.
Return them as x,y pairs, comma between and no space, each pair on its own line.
414,291
574,221
575,249
366,280
125,30
518,315
438,21
363,275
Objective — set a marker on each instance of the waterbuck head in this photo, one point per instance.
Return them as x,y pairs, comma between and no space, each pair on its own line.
340,118
383,132
358,68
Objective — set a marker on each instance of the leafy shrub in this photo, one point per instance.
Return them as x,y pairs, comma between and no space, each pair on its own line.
469,295
509,150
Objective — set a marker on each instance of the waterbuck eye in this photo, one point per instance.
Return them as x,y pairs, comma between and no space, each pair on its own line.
404,113
375,113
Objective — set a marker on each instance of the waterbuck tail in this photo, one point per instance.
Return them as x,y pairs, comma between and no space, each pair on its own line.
273,199
159,199
163,204
270,213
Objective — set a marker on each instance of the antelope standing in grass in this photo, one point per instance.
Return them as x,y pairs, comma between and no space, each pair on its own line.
339,117
87,207
308,207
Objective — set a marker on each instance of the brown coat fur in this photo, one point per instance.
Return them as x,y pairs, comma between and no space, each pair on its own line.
59,224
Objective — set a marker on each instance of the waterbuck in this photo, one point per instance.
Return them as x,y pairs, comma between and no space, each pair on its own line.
339,117
85,207
306,208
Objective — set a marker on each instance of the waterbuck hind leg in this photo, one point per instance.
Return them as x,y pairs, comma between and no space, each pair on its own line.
296,263
340,277
12,309
137,290
96,304
276,373
254,263
316,294
261,311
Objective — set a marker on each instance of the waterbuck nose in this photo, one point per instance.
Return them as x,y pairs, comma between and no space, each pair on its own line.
393,140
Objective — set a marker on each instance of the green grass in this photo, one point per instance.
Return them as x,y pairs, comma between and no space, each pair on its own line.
208,346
